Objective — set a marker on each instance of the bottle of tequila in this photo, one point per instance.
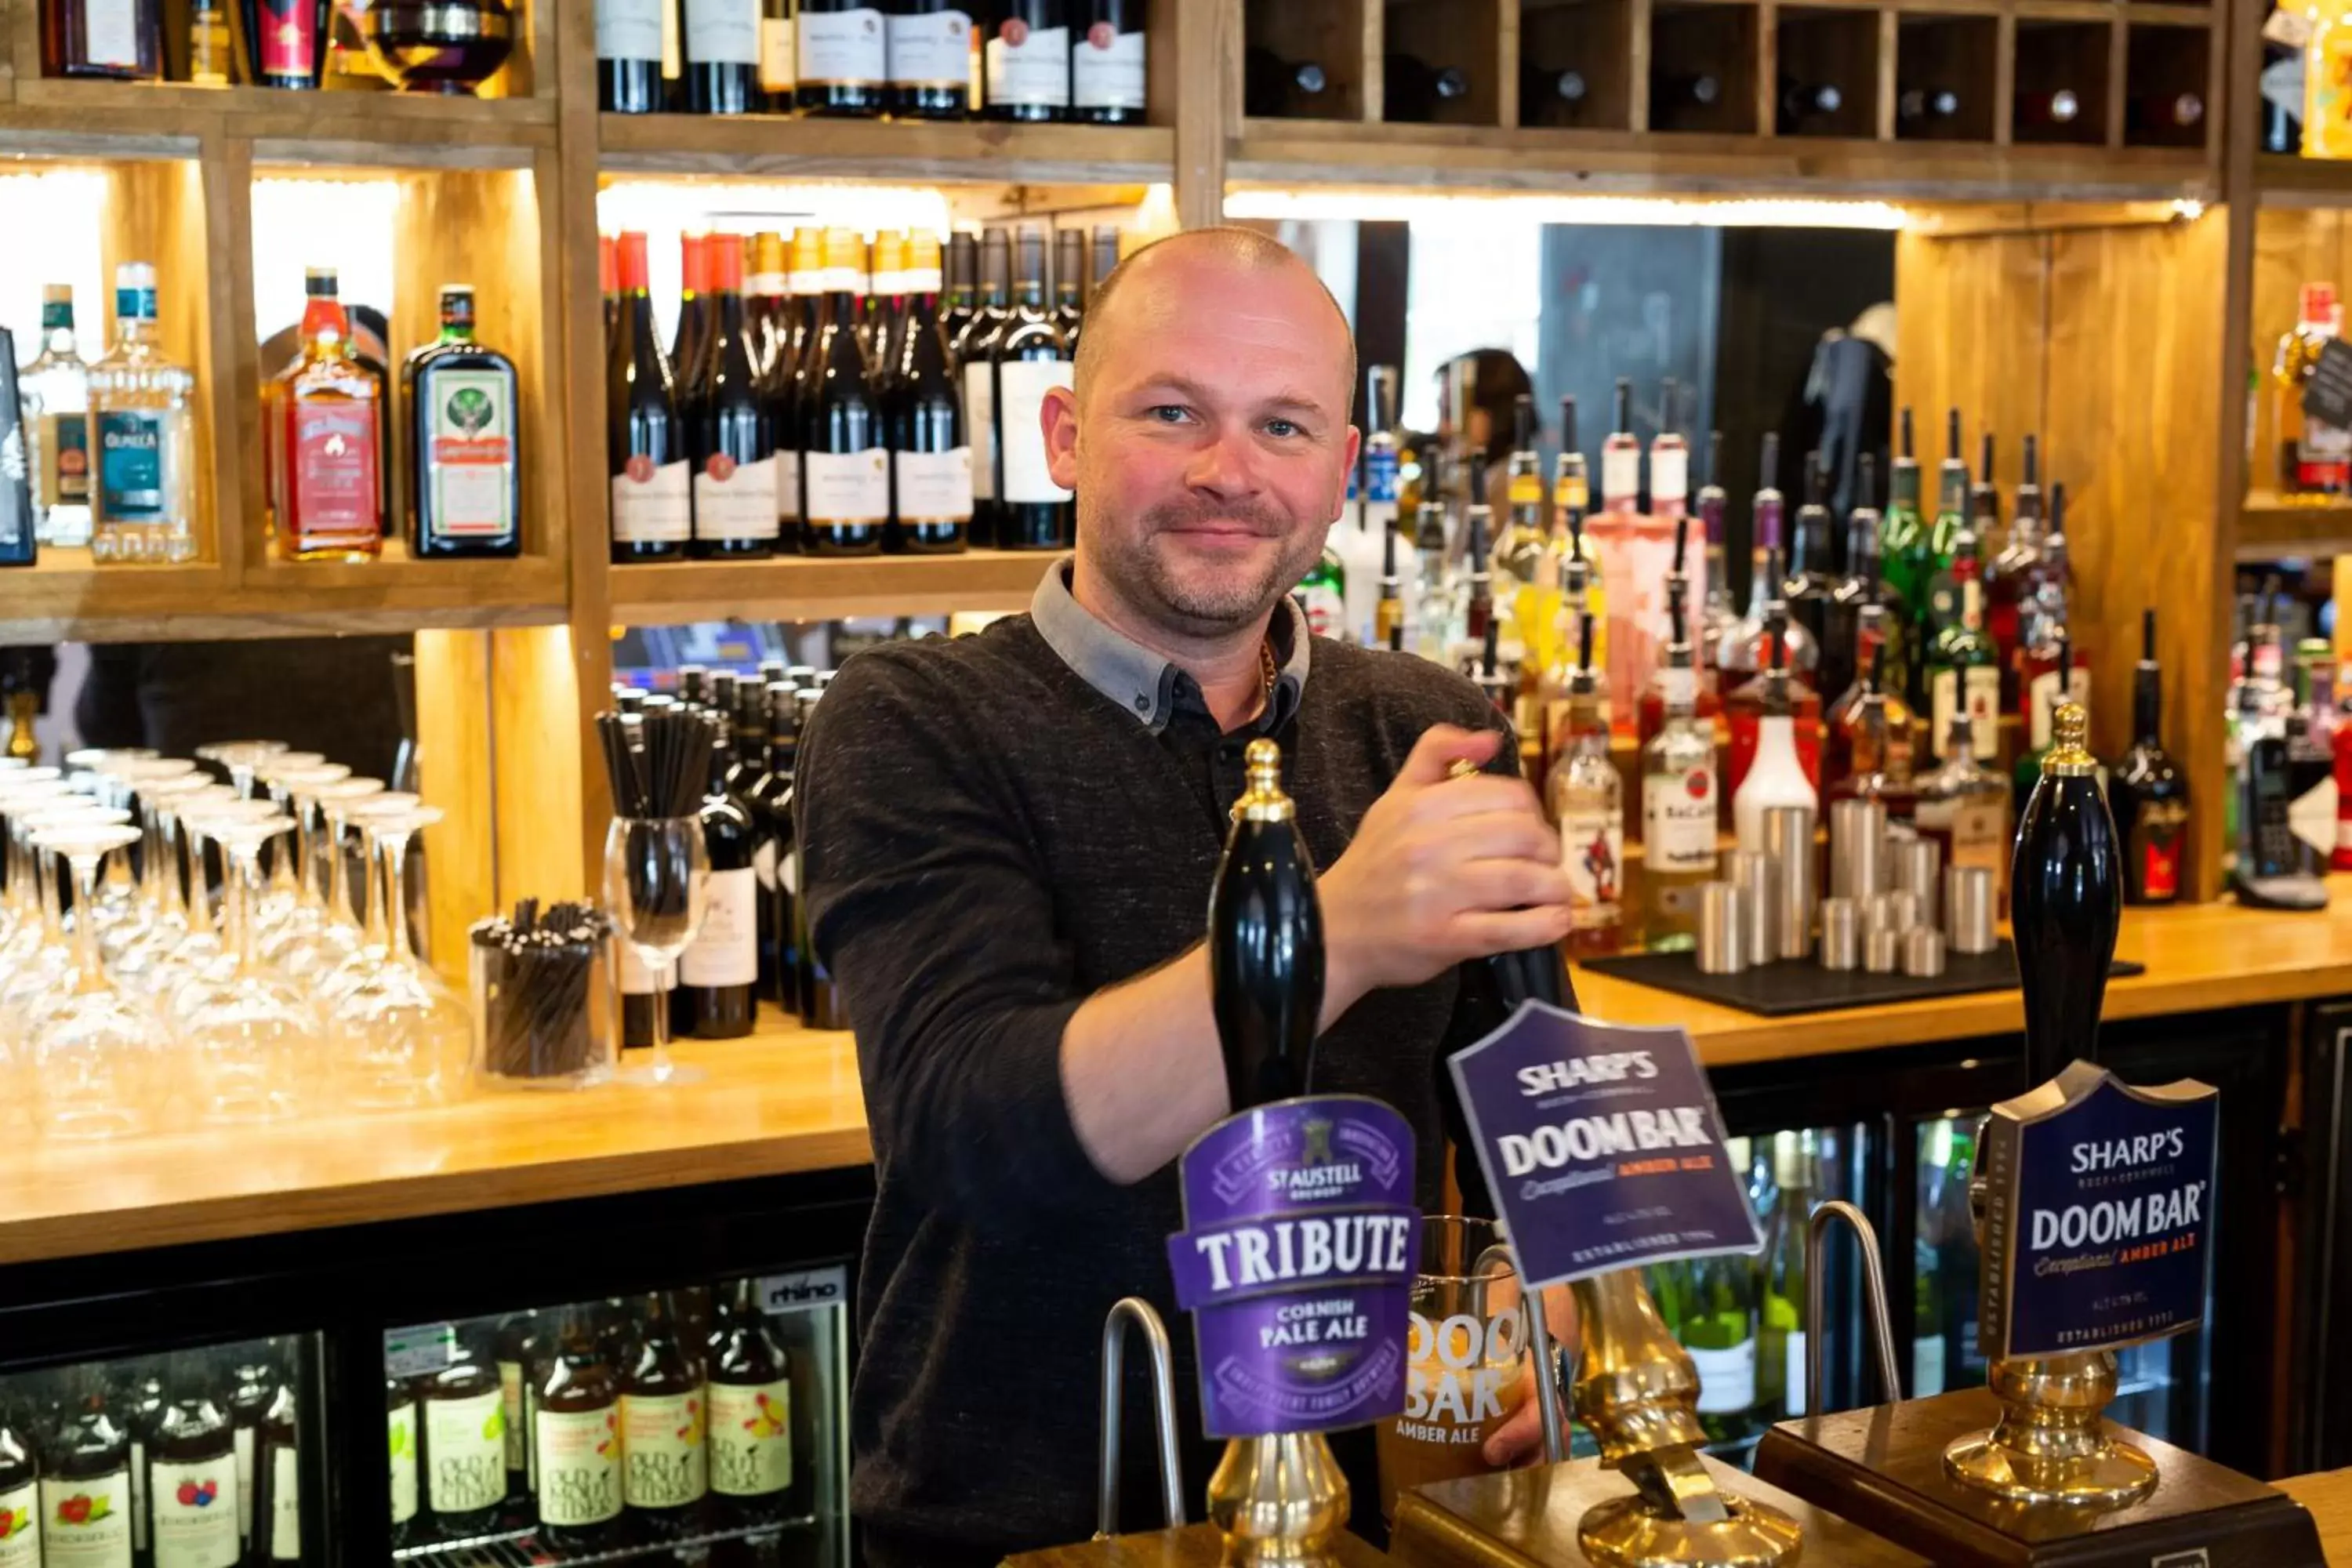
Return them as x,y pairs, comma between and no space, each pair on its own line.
142,425
56,389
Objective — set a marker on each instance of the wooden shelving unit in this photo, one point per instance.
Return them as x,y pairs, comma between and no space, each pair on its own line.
769,147
2270,526
807,588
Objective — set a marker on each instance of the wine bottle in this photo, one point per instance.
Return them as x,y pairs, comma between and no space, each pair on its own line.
930,460
1549,97
278,1483
1070,281
718,973
1274,88
1780,1325
770,802
20,1493
1805,104
1808,586
963,287
192,1474
1031,359
252,1381
142,1410
753,1481
2149,792
779,55
691,341
1266,943
843,66
629,58
789,379
1025,61
86,1509
1416,91
465,489
576,1439
664,1476
285,42
461,1418
118,39
1718,1329
720,43
975,358
731,436
929,59
845,467
399,1431
2066,902
1107,62
519,1343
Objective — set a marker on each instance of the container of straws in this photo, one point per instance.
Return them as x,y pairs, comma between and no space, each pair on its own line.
545,992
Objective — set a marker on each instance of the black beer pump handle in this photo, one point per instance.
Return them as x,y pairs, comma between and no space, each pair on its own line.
1266,943
2066,901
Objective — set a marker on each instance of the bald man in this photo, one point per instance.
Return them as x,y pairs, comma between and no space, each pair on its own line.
1011,840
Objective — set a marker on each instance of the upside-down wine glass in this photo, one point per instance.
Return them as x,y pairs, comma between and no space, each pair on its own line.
252,1041
97,1052
374,945
400,1036
658,885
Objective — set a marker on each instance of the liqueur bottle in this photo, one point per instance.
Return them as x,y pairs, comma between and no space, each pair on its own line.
2148,791
465,491
1587,800
1777,774
322,420
1678,800
1965,806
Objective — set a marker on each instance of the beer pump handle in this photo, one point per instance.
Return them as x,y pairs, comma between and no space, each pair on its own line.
1266,943
2066,897
1874,1287
1134,1312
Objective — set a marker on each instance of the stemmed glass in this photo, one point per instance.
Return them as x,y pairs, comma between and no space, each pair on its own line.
303,925
240,758
21,790
129,909
400,1036
201,952
95,1051
167,924
284,894
657,886
36,966
252,1042
344,941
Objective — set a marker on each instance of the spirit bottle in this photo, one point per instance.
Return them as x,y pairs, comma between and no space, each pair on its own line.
122,39
2315,458
1744,650
1744,706
1873,659
1961,672
1588,801
1323,593
1778,773
464,494
1984,497
1706,704
1965,806
320,417
1388,615
56,391
1678,798
1717,619
2148,791
1860,585
2045,646
1874,769
1525,593
142,422
1557,679
1633,547
2013,575
1903,547
1808,584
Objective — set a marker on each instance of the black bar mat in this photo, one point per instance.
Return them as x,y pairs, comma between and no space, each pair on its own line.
1802,985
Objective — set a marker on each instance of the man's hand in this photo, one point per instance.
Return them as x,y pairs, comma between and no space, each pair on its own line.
1519,1440
1441,869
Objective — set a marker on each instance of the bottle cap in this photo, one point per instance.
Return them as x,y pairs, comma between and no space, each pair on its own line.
1263,800
629,256
56,293
2069,757
722,264
693,263
608,265
318,283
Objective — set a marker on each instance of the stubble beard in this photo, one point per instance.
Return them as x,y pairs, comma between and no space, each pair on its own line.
1195,601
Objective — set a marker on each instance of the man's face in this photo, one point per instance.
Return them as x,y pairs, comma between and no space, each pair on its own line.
1212,450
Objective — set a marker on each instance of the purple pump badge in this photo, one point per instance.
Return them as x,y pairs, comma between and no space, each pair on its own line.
1601,1145
1296,1262
2098,1214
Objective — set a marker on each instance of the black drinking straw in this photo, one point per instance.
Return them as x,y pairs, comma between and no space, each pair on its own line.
537,1019
657,762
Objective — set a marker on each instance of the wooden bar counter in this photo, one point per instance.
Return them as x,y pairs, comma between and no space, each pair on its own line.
788,1100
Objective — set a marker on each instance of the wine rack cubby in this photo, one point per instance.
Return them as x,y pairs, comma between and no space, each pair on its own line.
1438,61
1825,81
1306,62
1944,71
2061,93
2165,71
1571,72
1703,64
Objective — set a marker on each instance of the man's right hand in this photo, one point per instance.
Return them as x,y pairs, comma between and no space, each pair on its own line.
1441,869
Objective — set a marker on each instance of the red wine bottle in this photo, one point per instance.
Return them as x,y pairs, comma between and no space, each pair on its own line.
718,973
732,436
845,469
652,506
930,460
1107,62
629,57
844,59
1031,358
929,59
721,41
2148,791
975,358
1025,60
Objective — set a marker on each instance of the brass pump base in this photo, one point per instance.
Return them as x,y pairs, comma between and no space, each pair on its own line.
2050,1445
1624,1533
1279,1501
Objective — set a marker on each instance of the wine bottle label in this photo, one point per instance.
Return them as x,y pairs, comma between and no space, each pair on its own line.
735,500
652,504
1927,1365
110,34
20,1531
244,1446
1976,828
290,36
843,48
725,951
1107,69
779,52
2156,846
510,1403
1727,1378
980,426
2042,700
763,863
788,488
333,479
1572,493
1381,475
751,1438
2323,443
1028,66
628,30
465,1452
471,465
196,1510
1678,820
930,50
285,1505
1793,1372
722,32
1620,475
1022,385
86,1525
579,1466
1592,853
934,487
661,1448
1669,474
847,487
137,1497
400,1424
637,980
65,459
131,465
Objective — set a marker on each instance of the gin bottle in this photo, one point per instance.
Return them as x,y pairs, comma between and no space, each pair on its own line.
143,427
55,387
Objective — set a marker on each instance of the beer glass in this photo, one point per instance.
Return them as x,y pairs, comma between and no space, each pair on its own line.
1467,1359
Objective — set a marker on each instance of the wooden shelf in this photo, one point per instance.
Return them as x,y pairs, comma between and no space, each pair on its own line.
2283,179
2271,525
811,588
70,119
66,597
1301,152
774,147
